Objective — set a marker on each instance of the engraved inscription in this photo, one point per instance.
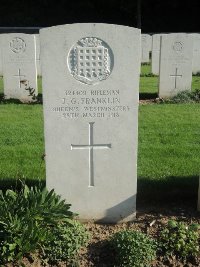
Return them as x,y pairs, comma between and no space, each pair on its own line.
17,45
103,103
176,75
90,60
177,46
91,146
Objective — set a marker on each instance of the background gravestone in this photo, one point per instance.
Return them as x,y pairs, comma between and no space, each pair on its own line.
175,64
155,55
146,42
38,63
90,89
196,53
19,66
1,63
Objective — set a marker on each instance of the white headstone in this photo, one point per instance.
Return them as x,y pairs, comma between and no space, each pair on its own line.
155,55
91,117
1,63
146,40
196,53
175,64
19,66
38,63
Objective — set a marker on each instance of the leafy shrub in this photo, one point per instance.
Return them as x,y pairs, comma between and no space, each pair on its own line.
180,240
182,97
196,74
65,243
133,248
196,95
185,97
25,217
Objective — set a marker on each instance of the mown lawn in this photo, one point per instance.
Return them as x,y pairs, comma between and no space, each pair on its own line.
21,142
149,85
169,143
168,149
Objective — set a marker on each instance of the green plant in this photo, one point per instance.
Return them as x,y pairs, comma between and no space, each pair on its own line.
182,97
196,74
180,240
196,95
25,218
65,243
133,248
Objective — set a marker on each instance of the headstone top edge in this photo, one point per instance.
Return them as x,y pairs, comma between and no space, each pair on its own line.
17,33
73,25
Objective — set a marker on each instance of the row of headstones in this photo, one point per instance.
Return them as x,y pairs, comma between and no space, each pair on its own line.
91,113
151,44
90,102
174,57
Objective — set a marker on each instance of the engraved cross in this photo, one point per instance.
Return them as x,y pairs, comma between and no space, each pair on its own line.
91,146
19,75
175,76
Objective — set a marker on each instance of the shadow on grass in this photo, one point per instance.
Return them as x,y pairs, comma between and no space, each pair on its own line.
168,190
3,100
17,184
146,96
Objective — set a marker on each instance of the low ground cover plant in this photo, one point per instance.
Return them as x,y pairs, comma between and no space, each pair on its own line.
133,248
180,240
184,97
65,243
32,218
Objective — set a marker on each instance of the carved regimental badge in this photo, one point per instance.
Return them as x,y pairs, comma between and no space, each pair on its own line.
17,45
90,60
177,46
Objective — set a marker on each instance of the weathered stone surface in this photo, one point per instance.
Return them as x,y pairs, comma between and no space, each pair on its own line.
155,55
175,64
38,63
146,48
91,117
19,66
196,53
1,63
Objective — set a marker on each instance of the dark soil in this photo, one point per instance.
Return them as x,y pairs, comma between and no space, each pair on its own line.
150,219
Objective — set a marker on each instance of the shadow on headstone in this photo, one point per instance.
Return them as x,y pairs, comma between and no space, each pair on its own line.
126,209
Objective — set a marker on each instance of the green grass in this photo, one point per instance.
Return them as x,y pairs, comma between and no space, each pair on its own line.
168,150
149,85
21,142
145,69
169,143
